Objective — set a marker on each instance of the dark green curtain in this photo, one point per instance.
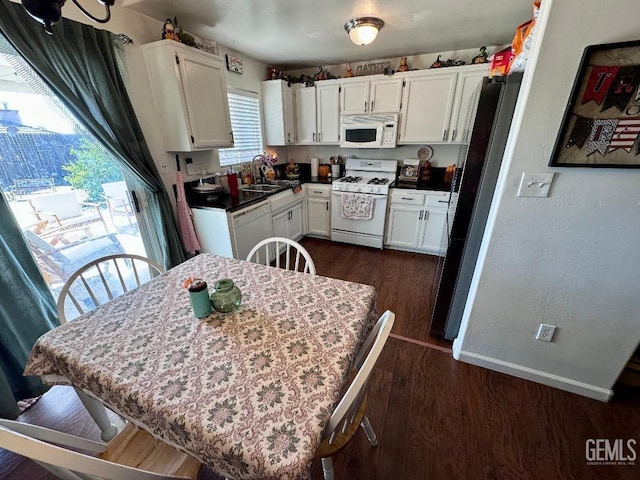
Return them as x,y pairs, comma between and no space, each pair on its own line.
27,310
79,64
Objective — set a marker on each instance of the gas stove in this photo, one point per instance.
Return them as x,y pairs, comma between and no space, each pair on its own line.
367,176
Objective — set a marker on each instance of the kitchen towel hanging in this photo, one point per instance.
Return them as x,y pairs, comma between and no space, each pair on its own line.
357,206
185,217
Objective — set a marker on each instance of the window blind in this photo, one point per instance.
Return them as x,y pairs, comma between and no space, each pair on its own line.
244,110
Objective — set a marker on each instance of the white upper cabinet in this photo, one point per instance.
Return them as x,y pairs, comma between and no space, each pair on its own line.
466,102
427,102
305,108
379,94
317,113
438,106
277,110
386,95
354,98
190,92
328,112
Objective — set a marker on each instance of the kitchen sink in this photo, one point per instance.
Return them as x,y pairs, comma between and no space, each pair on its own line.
262,187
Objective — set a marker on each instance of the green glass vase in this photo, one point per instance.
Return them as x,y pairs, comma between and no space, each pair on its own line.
226,296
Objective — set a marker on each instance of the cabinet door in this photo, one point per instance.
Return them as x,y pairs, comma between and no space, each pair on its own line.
319,216
295,222
426,108
435,233
466,103
386,95
281,224
404,226
289,117
305,103
205,93
355,97
250,226
328,113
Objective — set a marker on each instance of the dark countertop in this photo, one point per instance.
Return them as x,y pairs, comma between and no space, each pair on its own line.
226,202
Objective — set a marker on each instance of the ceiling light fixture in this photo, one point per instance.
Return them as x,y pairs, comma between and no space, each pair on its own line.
363,30
49,12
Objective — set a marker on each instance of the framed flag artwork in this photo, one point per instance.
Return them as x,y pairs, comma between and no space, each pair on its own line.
601,125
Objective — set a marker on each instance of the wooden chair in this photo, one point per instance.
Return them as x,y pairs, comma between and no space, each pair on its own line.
132,454
91,291
63,259
350,411
117,198
64,210
272,249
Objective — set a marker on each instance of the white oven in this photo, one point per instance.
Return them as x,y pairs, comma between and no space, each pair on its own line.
358,231
359,202
368,131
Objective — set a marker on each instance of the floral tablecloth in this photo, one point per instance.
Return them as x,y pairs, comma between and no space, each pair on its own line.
247,393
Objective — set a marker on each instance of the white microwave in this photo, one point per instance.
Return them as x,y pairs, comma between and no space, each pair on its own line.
368,131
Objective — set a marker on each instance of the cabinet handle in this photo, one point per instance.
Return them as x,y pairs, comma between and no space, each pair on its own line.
232,140
316,191
465,135
420,216
314,136
373,102
443,201
444,135
319,136
453,135
288,137
407,198
365,106
327,203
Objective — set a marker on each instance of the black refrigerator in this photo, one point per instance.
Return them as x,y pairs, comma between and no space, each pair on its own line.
477,183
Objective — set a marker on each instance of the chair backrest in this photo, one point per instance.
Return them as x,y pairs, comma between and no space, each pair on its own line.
88,291
39,243
269,250
115,189
363,363
63,204
35,442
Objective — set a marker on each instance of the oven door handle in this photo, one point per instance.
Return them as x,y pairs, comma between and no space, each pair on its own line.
376,196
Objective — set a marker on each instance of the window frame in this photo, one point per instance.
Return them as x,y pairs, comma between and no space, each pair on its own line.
228,160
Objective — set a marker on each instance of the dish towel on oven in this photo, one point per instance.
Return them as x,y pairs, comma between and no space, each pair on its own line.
357,206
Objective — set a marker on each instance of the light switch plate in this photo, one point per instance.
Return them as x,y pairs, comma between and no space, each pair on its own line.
535,184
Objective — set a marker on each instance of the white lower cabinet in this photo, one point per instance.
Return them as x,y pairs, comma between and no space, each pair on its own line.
417,221
287,218
232,234
288,224
318,210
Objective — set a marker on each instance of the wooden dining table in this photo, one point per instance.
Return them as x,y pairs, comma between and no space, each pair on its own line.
248,392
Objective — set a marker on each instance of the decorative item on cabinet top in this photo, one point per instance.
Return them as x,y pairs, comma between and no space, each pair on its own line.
234,64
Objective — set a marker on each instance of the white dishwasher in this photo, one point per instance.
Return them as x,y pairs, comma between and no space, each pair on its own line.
250,225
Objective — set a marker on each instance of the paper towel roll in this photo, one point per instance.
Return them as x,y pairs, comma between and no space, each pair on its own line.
314,166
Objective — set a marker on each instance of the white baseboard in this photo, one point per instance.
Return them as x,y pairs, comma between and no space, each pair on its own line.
566,384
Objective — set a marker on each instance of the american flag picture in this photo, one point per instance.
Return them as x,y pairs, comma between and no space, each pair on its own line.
625,134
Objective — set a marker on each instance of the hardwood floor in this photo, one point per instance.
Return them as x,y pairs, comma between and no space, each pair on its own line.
435,418
403,281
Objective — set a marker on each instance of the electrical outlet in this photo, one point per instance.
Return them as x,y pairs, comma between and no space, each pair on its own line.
164,169
545,332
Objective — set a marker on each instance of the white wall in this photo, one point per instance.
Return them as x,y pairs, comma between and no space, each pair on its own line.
569,260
